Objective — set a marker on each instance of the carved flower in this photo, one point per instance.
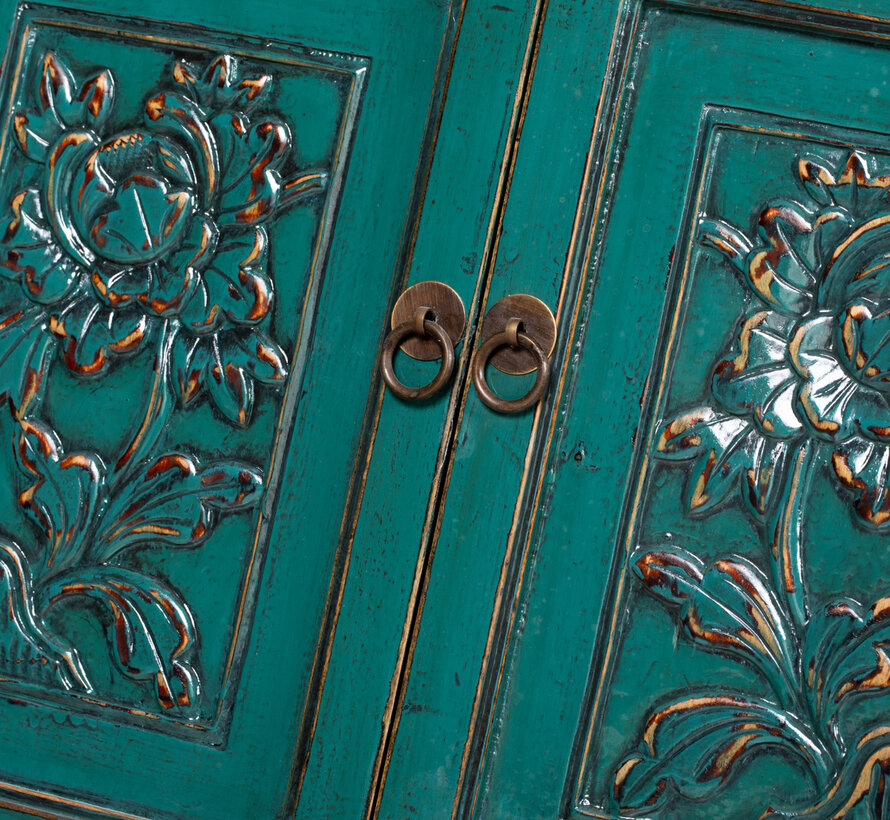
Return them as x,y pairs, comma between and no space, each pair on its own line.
161,222
811,356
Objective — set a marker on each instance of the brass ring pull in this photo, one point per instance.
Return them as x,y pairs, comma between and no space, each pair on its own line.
514,337
422,324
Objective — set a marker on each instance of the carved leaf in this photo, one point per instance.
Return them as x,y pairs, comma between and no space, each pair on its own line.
230,386
781,271
727,239
861,790
67,495
239,358
235,286
694,745
175,502
250,156
21,608
846,652
727,608
151,634
189,360
727,450
24,352
31,256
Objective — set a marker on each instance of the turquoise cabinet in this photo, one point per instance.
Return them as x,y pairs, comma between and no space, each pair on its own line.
241,579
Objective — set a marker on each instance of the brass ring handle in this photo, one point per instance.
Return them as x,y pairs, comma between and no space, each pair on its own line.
514,337
422,324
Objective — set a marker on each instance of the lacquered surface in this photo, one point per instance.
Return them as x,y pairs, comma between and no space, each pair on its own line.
639,732
606,607
316,255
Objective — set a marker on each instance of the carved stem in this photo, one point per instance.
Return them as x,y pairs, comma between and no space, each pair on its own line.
157,411
784,534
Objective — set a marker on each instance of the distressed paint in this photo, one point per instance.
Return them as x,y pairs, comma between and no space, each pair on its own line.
539,758
275,706
421,644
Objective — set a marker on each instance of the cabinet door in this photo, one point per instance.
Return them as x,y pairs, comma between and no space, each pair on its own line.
685,615
206,216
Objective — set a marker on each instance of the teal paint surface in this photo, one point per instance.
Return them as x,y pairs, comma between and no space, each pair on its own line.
151,772
679,64
436,578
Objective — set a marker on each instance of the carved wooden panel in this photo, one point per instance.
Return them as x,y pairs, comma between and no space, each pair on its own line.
168,208
774,392
699,627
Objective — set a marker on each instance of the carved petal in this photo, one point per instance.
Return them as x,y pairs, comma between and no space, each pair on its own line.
863,344
863,467
198,248
693,746
61,106
824,397
151,634
725,448
180,117
757,378
96,96
726,608
235,286
250,156
31,256
854,186
67,495
168,290
219,85
172,501
93,334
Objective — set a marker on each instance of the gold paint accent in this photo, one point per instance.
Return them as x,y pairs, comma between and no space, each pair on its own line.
879,732
624,770
49,797
877,222
690,704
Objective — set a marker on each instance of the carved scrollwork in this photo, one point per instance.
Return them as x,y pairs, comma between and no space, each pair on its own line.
150,241
806,382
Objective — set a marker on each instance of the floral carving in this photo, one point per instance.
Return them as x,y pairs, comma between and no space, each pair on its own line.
152,238
805,382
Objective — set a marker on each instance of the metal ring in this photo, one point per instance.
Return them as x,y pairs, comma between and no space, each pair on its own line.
514,337
423,323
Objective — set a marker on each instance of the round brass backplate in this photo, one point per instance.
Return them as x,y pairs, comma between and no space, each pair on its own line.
448,311
537,322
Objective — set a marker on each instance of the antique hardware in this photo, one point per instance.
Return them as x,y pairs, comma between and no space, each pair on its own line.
518,336
427,323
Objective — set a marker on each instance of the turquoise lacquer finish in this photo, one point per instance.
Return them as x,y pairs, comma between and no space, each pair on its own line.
712,531
242,580
207,215
145,245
